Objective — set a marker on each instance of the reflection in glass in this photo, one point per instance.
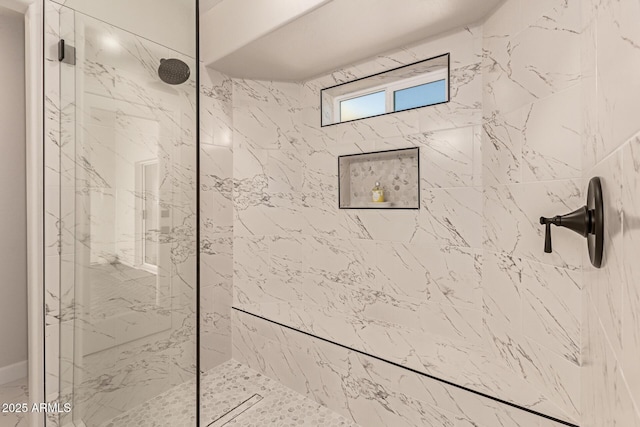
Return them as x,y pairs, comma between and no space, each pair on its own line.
128,273
420,96
150,214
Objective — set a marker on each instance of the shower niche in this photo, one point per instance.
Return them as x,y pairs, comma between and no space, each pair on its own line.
380,180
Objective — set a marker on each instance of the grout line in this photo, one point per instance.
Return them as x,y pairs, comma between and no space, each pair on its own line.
496,399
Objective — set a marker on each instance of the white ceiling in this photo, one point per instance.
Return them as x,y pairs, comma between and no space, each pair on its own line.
342,32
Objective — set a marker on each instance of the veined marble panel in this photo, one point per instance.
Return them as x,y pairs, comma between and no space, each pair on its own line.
552,137
366,390
607,397
617,53
440,353
530,56
448,158
437,274
511,221
551,308
631,247
607,299
450,216
216,217
610,328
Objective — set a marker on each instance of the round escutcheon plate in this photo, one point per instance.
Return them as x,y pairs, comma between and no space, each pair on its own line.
595,239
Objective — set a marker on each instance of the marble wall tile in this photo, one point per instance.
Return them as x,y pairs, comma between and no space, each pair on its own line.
608,400
216,168
607,298
551,308
400,124
402,226
420,287
609,342
216,108
589,97
320,174
521,64
511,221
502,147
251,270
552,137
447,158
486,375
311,135
545,57
215,327
556,377
630,249
284,169
501,91
216,216
249,169
264,114
477,156
501,288
447,275
364,389
617,54
451,216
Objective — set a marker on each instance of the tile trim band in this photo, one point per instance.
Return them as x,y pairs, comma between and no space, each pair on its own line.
452,384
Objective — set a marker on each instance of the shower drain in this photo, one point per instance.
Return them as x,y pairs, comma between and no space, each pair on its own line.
233,413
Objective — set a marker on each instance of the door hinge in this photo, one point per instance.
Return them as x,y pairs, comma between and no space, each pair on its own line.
66,53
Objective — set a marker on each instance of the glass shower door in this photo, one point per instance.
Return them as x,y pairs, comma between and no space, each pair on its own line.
128,271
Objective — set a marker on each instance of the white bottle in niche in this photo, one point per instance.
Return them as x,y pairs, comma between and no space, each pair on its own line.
377,194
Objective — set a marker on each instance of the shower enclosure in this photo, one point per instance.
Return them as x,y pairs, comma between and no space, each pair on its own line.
121,223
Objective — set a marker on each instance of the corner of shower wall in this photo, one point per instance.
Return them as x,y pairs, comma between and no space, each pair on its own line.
532,136
610,375
356,278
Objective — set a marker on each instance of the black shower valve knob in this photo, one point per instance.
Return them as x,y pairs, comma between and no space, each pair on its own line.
586,221
578,221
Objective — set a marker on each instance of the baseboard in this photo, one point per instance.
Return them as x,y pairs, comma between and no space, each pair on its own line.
11,373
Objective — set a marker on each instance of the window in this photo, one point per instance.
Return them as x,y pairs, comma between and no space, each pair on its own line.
412,86
420,96
369,105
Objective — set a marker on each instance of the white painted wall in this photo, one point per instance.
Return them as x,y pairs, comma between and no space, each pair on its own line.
13,253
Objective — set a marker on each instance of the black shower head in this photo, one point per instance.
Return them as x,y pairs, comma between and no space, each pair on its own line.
173,71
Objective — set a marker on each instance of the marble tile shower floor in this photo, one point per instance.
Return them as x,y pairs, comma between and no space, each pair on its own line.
15,392
233,395
117,288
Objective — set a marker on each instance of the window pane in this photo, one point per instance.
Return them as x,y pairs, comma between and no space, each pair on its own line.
362,106
419,96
